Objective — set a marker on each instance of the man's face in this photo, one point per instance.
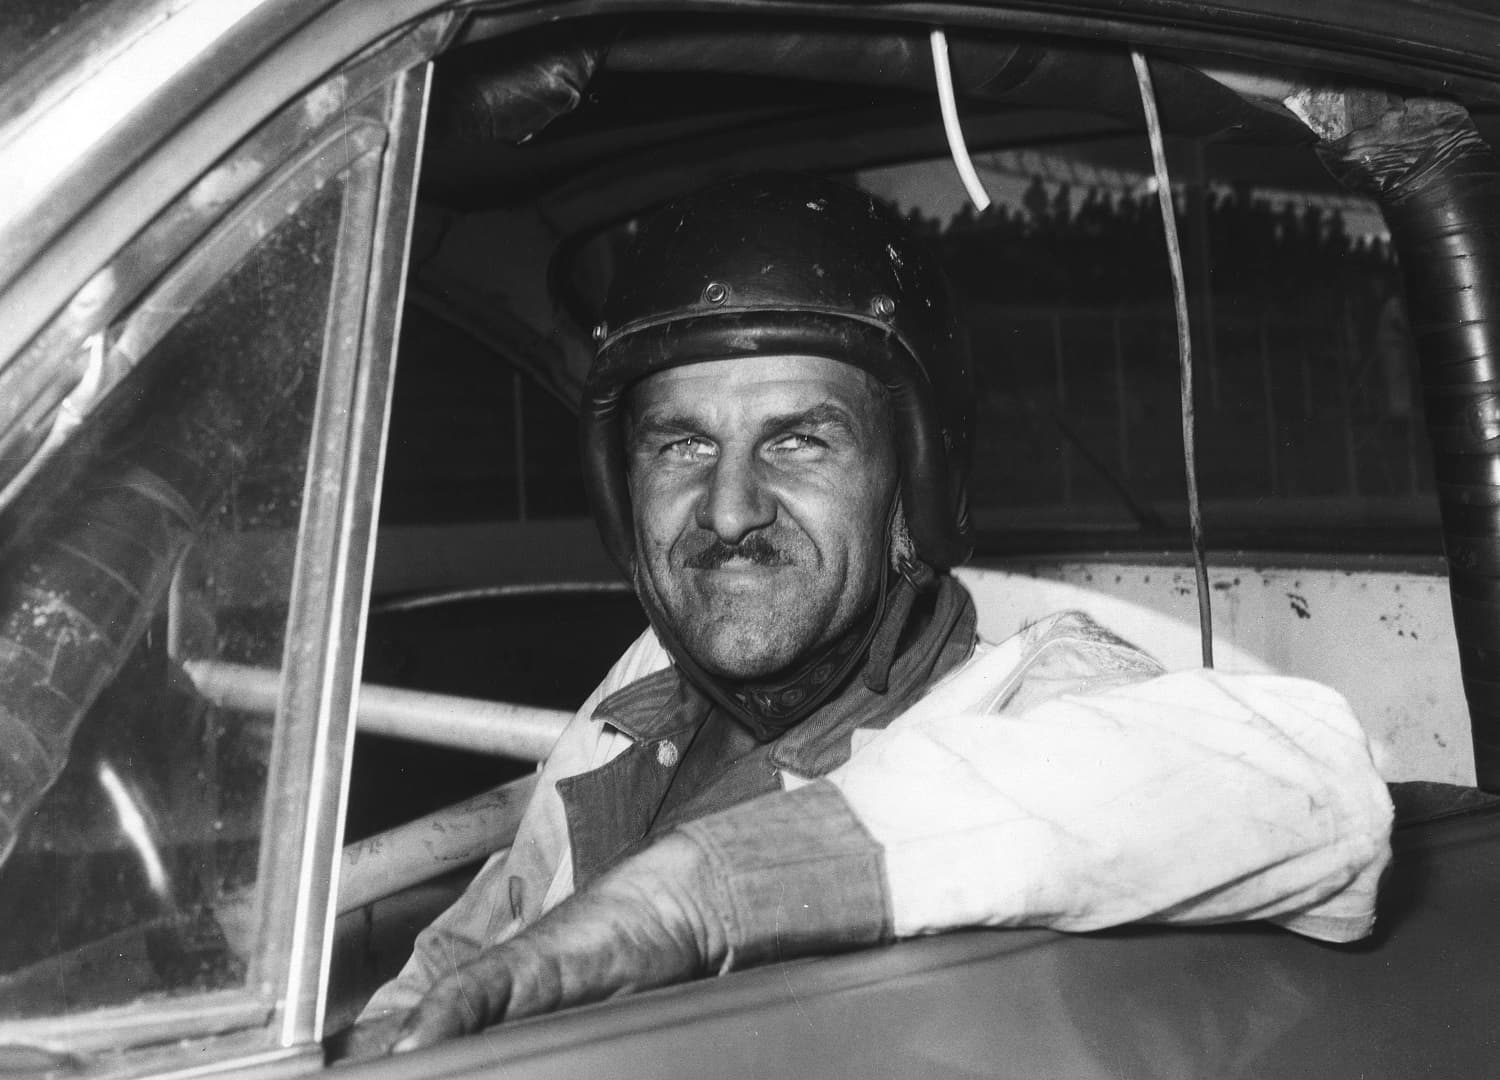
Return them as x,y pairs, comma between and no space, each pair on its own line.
761,489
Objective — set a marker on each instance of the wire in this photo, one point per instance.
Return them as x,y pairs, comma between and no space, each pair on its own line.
1184,350
956,145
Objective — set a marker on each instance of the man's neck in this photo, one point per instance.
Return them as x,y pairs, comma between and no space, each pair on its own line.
770,707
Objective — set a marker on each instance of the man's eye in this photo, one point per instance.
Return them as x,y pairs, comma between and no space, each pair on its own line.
693,447
798,443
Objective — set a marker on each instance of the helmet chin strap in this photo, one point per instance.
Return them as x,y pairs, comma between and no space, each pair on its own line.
912,578
768,708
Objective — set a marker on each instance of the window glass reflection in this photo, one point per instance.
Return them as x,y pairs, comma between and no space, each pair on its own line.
131,807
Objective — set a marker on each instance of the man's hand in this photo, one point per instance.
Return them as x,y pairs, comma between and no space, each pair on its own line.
647,923
784,875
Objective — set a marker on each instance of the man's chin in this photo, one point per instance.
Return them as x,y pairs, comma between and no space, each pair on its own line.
739,660
747,627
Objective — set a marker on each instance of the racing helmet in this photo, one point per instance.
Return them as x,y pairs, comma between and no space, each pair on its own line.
789,265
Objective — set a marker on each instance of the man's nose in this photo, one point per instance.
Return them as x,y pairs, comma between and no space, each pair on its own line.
736,502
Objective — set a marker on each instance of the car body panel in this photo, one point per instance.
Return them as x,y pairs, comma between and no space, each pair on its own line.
1141,1002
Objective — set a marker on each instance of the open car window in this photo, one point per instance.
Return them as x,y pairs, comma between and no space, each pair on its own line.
1309,426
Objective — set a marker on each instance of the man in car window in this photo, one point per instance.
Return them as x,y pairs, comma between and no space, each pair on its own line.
810,750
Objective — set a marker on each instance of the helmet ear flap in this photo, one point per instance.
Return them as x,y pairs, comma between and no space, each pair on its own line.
605,474
925,471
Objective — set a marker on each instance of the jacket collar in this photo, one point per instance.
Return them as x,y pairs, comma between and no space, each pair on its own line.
656,707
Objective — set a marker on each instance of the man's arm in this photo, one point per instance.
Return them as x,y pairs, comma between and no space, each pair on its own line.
1190,798
514,885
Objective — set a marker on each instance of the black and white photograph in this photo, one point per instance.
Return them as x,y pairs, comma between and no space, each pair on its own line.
749,539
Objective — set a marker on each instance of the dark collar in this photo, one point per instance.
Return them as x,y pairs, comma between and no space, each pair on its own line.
666,703
942,639
767,710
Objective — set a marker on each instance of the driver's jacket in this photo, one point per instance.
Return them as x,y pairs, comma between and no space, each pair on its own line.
1058,779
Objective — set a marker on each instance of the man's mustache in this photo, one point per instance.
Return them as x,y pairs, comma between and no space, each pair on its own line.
756,548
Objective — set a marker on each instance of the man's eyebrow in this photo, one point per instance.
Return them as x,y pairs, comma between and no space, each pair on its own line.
823,415
662,422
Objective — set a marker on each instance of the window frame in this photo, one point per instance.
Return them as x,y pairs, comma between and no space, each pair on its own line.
367,126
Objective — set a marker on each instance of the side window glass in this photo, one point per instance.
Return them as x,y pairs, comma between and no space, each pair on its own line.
1307,430
161,538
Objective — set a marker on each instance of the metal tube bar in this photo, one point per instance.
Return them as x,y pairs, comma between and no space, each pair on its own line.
1438,184
481,727
429,847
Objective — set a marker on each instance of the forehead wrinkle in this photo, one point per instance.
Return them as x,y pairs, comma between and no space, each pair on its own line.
819,417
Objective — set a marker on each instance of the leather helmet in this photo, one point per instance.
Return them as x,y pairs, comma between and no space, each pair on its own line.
789,265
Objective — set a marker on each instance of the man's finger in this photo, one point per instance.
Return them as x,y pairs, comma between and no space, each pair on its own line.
469,1000
366,1039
